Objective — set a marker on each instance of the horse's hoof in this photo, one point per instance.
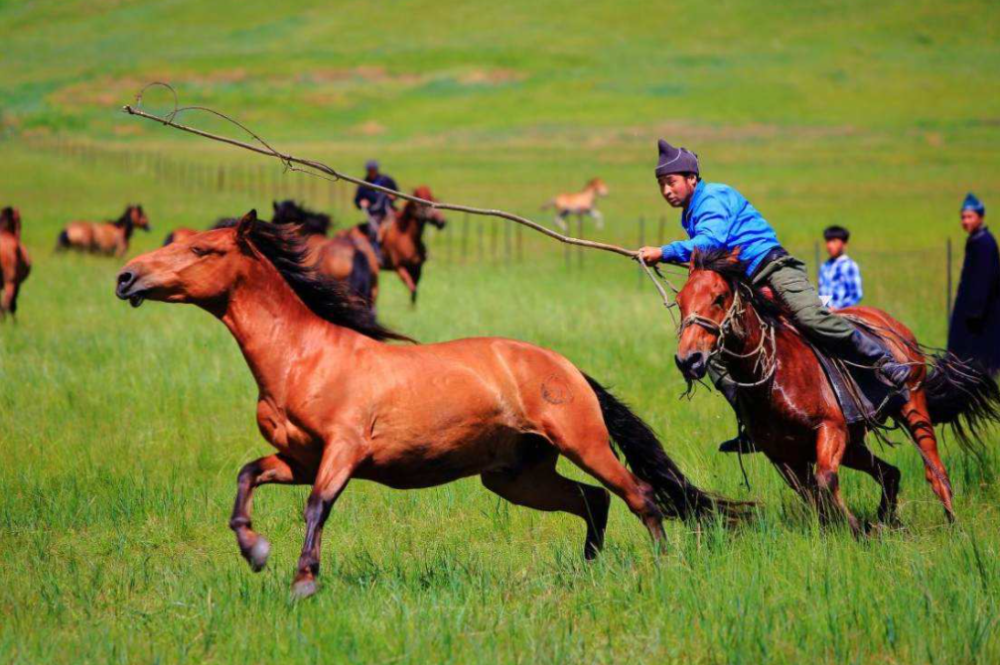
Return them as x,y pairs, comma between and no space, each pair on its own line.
257,556
303,588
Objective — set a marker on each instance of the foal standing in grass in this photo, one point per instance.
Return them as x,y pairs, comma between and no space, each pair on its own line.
337,402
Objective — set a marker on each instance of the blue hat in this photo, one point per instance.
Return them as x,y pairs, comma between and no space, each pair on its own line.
973,204
676,160
371,165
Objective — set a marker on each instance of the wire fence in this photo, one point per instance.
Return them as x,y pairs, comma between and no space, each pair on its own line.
468,240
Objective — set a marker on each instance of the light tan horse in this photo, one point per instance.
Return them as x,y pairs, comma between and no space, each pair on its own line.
337,402
15,264
579,203
111,237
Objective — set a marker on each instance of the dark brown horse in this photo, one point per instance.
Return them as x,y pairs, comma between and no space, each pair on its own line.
501,409
403,249
787,404
111,237
15,264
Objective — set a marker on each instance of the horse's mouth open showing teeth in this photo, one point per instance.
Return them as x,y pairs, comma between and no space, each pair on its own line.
135,300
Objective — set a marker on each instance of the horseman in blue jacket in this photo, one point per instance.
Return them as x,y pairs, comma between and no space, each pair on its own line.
716,216
377,205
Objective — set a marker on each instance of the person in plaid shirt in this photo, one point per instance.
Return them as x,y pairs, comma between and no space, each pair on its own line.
839,277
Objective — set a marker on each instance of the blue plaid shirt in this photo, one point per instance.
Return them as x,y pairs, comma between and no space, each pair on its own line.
840,279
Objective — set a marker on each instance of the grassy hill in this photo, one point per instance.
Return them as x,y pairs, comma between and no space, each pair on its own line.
122,430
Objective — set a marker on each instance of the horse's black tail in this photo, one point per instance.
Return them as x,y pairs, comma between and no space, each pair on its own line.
62,242
360,280
676,496
963,395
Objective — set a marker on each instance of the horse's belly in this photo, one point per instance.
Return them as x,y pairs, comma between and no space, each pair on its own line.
435,460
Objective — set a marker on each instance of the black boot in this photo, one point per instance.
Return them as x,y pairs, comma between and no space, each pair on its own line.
741,443
865,349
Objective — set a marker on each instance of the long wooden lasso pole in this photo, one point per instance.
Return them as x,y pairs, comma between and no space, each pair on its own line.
319,169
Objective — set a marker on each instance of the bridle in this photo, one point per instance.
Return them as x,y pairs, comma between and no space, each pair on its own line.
766,349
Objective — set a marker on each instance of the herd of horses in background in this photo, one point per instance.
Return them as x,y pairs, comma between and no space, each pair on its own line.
348,255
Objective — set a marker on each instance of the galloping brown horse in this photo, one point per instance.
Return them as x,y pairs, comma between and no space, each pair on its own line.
403,249
579,203
338,403
15,264
787,404
111,237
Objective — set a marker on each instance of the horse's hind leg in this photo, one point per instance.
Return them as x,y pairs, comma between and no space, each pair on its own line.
917,421
886,475
831,444
538,485
594,456
270,469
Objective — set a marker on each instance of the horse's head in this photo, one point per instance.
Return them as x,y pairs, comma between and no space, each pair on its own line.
424,213
705,303
290,212
200,270
10,220
597,186
137,217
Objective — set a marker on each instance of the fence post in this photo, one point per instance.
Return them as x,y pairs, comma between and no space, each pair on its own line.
579,234
948,285
816,259
642,243
520,242
661,235
465,237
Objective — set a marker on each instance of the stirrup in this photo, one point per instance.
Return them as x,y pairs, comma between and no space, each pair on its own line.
740,443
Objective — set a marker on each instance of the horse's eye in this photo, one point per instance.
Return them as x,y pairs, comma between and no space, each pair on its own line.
199,251
720,301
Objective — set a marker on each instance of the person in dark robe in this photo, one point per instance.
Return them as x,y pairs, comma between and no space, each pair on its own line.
974,333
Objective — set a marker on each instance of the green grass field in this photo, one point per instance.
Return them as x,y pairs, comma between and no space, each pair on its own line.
122,430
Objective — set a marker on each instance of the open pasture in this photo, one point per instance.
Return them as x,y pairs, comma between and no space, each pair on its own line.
122,430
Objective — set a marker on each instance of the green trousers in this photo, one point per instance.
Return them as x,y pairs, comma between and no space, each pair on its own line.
788,279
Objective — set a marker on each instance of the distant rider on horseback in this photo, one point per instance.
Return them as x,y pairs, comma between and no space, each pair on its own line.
376,204
716,216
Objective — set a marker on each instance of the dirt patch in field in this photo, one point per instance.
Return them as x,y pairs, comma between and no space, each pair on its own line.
366,73
490,77
111,90
369,128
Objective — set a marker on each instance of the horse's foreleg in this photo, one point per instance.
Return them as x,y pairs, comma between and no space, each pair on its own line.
340,459
598,218
560,220
538,485
886,475
270,469
917,421
404,275
800,478
831,444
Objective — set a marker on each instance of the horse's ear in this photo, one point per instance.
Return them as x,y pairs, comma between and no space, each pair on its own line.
274,204
245,225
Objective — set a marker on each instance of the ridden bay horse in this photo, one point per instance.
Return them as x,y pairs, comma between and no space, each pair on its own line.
579,203
788,407
111,237
15,264
338,402
403,249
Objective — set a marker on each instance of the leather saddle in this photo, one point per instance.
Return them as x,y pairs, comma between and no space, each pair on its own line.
862,395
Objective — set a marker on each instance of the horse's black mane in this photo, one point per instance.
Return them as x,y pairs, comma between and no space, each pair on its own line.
722,262
290,212
327,298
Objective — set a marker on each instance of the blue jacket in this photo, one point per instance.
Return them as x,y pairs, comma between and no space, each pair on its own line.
718,217
378,202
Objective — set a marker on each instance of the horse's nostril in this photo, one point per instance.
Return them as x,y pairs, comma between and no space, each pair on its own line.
125,278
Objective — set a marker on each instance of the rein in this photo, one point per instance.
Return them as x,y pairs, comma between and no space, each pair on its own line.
765,351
